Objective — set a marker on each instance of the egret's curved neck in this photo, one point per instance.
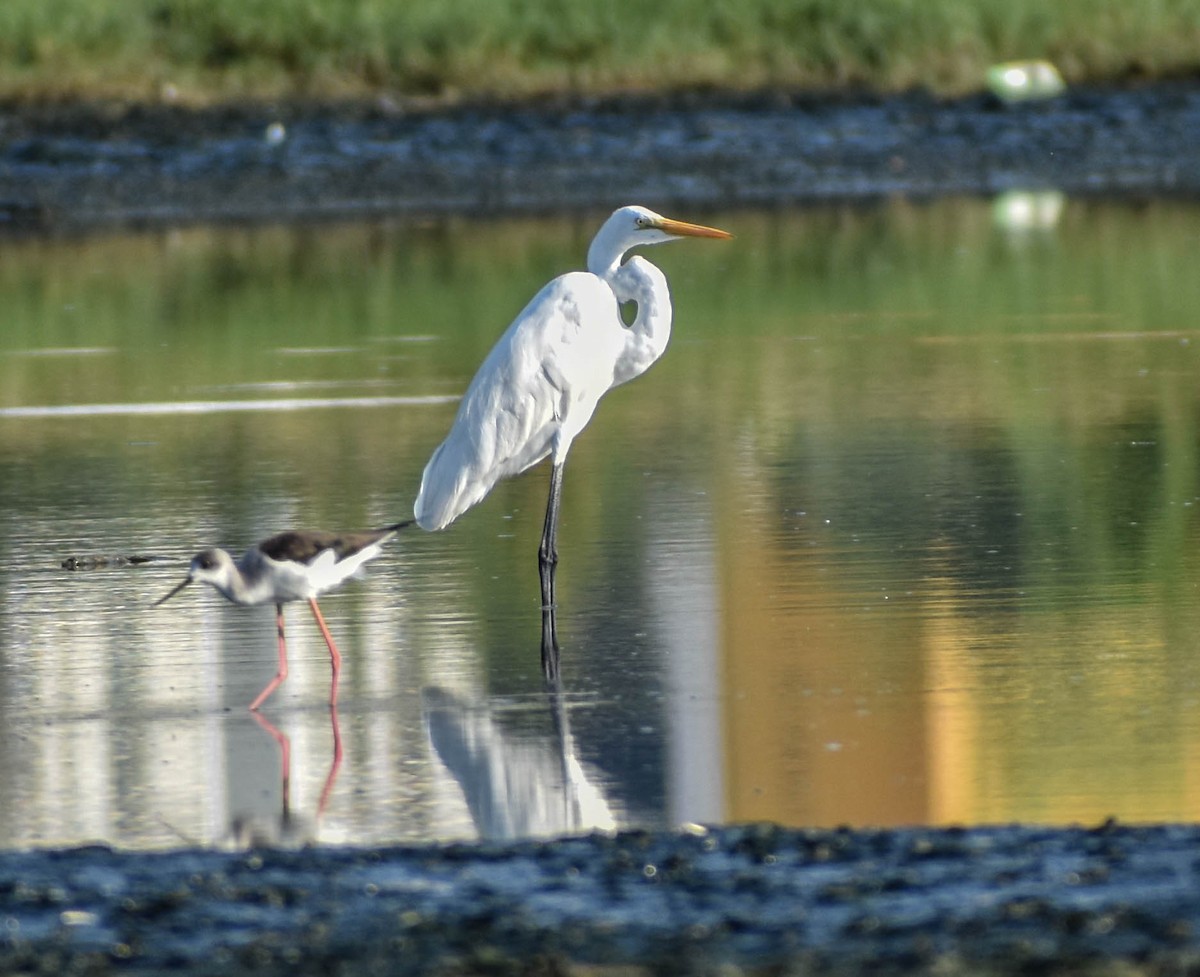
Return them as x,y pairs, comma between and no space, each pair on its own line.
640,282
604,255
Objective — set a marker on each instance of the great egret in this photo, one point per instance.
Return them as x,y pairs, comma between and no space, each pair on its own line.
538,387
295,565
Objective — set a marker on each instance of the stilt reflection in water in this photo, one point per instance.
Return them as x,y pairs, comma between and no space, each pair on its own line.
516,786
287,829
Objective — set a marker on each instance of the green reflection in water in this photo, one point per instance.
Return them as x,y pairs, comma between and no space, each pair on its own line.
945,473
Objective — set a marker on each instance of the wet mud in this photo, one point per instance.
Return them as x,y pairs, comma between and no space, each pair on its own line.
104,562
756,900
79,166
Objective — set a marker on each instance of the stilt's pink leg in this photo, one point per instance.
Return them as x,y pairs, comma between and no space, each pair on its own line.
281,674
285,759
337,761
335,657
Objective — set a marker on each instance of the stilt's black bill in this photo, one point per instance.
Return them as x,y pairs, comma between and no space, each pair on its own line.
187,581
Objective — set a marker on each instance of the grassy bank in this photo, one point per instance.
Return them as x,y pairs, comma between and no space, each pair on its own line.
205,50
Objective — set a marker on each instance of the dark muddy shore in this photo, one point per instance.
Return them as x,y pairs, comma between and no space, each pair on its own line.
758,900
78,167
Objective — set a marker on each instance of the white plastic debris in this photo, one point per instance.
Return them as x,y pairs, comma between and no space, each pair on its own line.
1025,81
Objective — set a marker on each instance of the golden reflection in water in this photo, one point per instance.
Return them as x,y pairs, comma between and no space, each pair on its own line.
1006,629
996,761
813,735
1066,707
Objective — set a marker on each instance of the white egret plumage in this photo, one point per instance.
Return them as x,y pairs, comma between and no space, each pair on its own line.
538,387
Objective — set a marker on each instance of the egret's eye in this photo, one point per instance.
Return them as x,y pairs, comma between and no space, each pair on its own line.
643,222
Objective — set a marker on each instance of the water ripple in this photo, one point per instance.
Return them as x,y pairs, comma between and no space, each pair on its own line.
220,406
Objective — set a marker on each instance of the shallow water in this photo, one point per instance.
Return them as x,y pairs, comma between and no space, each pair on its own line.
901,530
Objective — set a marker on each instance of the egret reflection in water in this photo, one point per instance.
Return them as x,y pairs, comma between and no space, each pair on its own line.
516,786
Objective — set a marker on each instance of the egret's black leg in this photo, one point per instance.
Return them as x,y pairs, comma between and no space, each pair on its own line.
550,652
548,553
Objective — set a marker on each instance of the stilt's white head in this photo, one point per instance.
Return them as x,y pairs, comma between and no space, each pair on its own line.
214,567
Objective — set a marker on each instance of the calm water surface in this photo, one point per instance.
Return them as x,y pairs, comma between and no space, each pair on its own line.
903,529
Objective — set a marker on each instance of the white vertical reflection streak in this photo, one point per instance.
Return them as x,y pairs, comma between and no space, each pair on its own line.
682,577
215,726
392,675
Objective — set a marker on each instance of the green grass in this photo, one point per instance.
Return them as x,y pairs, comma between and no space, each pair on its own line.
206,50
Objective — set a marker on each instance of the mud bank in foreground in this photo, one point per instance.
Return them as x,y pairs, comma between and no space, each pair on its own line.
85,166
758,899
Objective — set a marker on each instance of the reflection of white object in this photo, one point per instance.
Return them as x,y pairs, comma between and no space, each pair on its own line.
275,134
685,596
1021,81
538,387
1028,210
515,787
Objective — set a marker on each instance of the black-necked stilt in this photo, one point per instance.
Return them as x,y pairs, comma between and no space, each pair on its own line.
295,565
